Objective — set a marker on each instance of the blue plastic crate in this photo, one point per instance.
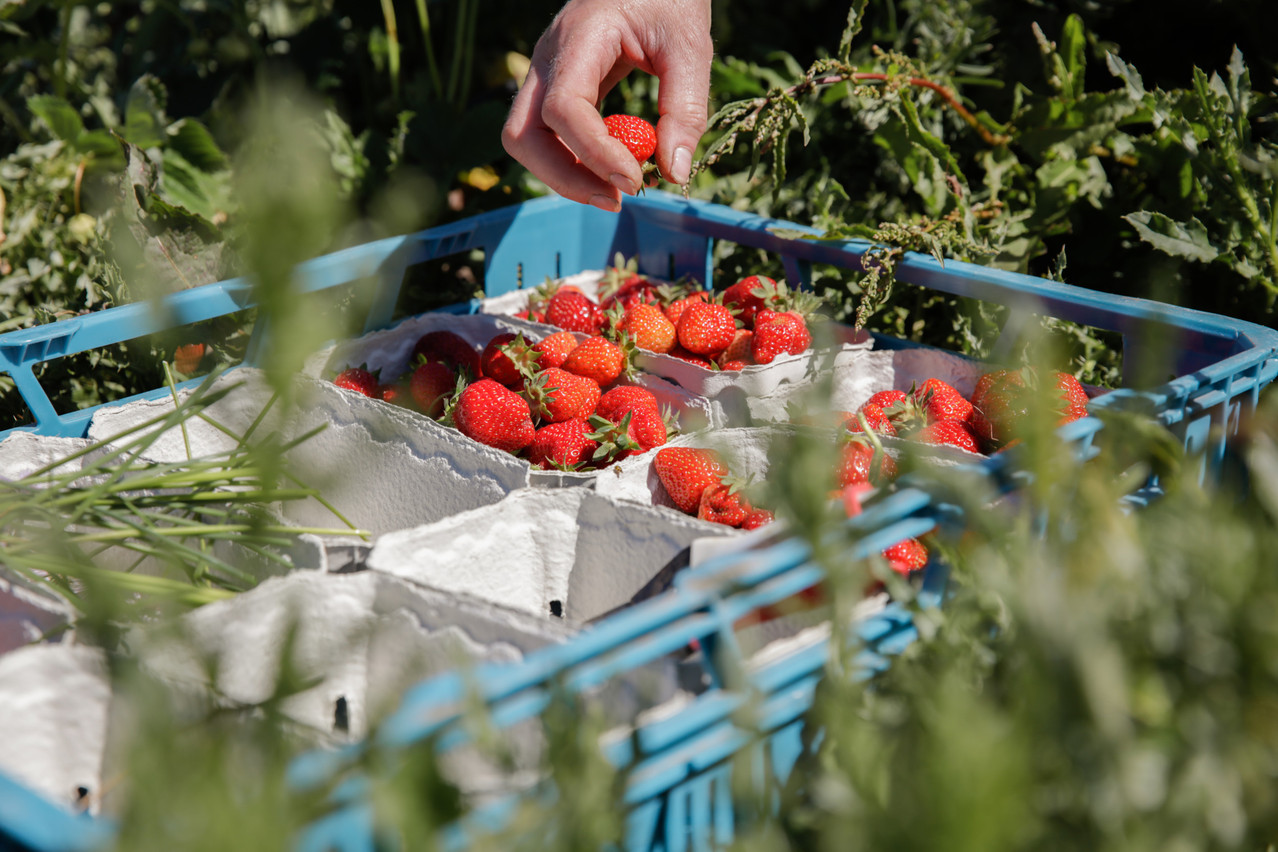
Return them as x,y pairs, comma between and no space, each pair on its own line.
677,793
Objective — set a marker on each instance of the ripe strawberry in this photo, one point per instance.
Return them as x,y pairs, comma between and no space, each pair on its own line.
778,334
856,458
692,358
599,359
706,328
906,556
450,348
1003,399
875,418
757,518
573,311
430,386
506,359
637,135
675,308
553,349
719,504
738,349
359,380
557,395
685,472
566,445
955,433
649,328
888,400
637,431
619,401
733,366
940,401
494,415
396,394
1074,395
749,296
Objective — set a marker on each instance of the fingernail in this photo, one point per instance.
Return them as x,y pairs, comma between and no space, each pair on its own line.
622,183
605,202
681,168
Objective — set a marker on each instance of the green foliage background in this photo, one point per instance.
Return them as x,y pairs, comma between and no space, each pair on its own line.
1108,680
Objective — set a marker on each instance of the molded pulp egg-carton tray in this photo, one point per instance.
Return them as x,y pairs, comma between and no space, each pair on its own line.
682,750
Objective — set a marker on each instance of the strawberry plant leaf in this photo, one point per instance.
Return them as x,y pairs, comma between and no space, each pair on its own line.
1179,239
60,117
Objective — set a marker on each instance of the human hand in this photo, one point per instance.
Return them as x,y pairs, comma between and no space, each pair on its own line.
554,127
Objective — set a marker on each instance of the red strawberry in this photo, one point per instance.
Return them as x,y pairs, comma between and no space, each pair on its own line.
359,380
940,401
748,296
674,310
888,399
450,348
396,394
875,418
1074,395
692,358
552,350
685,472
706,328
757,518
557,395
719,504
494,415
649,328
566,445
619,401
637,135
855,460
505,359
778,334
733,366
906,556
1003,400
430,386
955,433
739,348
573,311
637,431
598,359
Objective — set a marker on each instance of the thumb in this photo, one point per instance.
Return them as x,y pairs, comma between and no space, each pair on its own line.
683,100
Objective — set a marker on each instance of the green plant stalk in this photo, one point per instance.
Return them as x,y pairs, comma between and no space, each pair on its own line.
392,43
423,18
459,49
468,65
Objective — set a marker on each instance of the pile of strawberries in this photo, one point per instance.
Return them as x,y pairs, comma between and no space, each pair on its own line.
752,322
562,402
937,413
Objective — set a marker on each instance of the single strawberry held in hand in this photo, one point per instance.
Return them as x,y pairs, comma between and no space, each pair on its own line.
636,134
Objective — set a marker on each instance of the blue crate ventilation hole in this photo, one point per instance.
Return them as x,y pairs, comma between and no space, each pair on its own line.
679,768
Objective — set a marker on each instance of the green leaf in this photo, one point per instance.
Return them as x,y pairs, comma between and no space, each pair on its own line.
196,145
144,120
1128,74
60,117
1074,50
1179,239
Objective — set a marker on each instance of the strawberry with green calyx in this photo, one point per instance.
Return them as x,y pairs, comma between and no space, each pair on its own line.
623,287
674,308
856,464
618,401
637,431
600,359
954,433
493,414
723,503
552,350
1004,399
649,328
566,445
872,417
637,134
508,359
555,395
749,296
447,347
889,400
686,472
706,328
430,385
360,380
939,400
777,334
